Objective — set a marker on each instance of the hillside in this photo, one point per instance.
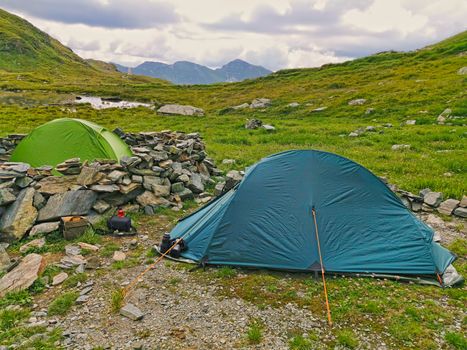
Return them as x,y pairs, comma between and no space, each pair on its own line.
400,96
188,73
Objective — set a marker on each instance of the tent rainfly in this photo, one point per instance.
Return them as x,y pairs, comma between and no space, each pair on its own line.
62,139
267,222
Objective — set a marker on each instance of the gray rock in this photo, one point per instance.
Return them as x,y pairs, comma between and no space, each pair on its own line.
433,199
4,259
370,128
233,177
161,190
219,188
68,203
116,175
400,147
320,109
462,71
195,184
148,210
444,116
260,103
268,127
460,212
178,186
138,179
228,161
293,104
410,122
23,182
132,312
60,278
463,202
105,188
357,102
424,192
447,207
101,206
186,194
253,124
174,109
6,196
38,201
82,299
242,106
56,184
89,175
19,217
44,228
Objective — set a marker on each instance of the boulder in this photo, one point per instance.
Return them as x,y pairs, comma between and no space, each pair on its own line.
195,184
447,207
19,217
6,196
260,103
132,312
36,243
56,184
67,204
462,71
174,109
433,199
23,275
44,228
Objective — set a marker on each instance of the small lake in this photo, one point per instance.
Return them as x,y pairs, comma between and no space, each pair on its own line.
103,103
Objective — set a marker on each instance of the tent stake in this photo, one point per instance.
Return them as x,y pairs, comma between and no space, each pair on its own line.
322,268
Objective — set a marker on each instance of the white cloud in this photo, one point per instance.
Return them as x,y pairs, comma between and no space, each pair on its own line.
273,33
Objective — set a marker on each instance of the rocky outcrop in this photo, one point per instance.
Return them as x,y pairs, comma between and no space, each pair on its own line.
174,109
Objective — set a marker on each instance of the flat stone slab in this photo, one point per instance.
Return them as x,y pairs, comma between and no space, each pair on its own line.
19,217
56,184
62,276
132,312
36,243
23,275
67,204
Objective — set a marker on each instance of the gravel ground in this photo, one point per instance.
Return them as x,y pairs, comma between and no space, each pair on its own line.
183,311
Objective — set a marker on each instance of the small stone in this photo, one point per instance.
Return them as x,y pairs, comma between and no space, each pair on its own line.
36,243
88,246
357,102
86,290
72,250
463,202
132,312
268,127
410,122
82,299
400,147
178,187
57,279
105,188
119,256
101,206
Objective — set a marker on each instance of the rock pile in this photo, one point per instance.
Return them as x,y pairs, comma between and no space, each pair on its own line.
429,201
166,169
8,144
253,124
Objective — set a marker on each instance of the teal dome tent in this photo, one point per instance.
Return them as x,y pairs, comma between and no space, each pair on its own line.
266,221
62,139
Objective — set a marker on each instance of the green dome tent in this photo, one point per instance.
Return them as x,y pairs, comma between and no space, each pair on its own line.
62,139
267,221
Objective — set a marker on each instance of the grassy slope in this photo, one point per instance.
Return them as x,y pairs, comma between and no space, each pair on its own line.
400,86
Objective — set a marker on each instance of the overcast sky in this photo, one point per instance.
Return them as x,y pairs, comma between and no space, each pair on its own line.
273,33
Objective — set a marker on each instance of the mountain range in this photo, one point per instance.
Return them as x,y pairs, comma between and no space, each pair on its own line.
189,73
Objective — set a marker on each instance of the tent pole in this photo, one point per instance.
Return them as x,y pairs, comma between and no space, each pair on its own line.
322,268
